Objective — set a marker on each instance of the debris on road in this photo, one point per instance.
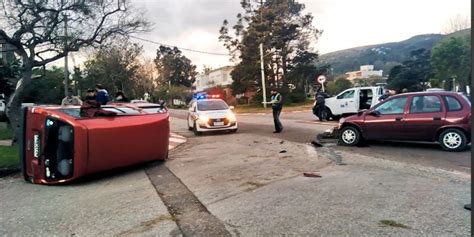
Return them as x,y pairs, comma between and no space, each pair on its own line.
283,151
282,142
316,144
393,224
311,174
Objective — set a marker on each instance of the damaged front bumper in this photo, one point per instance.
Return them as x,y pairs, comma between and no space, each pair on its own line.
331,133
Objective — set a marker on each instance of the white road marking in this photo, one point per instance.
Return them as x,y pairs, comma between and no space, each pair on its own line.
176,140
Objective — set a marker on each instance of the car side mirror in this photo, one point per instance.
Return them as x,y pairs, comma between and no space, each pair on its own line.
361,112
231,107
374,113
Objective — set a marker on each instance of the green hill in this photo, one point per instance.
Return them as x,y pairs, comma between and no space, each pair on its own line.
382,56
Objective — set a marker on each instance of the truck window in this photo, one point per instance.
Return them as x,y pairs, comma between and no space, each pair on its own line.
346,95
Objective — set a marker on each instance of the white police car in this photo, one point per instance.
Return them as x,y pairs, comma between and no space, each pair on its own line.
207,115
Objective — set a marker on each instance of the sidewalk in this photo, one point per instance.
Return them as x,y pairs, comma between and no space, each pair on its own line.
5,142
120,204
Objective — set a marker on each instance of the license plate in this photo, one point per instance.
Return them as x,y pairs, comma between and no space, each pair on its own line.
36,146
218,123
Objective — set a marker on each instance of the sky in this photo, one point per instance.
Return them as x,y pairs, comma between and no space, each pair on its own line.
195,24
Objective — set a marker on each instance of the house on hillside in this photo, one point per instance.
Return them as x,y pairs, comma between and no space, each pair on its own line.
365,72
7,54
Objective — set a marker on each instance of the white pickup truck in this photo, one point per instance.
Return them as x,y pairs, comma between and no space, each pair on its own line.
352,100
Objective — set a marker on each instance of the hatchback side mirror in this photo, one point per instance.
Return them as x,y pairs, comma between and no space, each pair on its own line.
374,113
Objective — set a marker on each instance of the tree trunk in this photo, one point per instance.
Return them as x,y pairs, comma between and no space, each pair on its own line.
15,100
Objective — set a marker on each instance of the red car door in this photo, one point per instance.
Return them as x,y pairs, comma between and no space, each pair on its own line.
387,120
426,114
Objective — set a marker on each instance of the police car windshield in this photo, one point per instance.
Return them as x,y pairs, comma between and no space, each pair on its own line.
211,105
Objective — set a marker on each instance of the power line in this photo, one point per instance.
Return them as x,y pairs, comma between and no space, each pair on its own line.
183,49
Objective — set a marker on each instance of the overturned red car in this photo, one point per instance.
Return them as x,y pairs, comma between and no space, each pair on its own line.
61,144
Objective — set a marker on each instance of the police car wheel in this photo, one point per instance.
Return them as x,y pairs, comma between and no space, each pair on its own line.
196,132
349,136
189,127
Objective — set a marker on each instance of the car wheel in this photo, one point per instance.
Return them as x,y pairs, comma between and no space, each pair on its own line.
233,130
189,127
349,136
196,132
452,140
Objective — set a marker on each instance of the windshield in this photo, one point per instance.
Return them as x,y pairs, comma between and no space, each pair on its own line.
211,105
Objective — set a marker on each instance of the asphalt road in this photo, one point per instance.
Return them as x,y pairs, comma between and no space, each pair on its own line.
302,127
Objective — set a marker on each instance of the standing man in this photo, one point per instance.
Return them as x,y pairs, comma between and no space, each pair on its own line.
70,99
102,95
277,105
321,104
385,95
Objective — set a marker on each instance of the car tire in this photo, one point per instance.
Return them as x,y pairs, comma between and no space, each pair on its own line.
349,136
196,132
452,139
233,130
189,127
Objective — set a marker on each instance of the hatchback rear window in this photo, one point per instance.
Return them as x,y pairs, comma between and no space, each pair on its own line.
425,104
452,103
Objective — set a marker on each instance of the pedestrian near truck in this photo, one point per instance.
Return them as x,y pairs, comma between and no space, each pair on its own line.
71,99
319,108
102,96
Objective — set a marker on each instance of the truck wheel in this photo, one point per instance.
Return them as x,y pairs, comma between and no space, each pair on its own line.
349,136
452,140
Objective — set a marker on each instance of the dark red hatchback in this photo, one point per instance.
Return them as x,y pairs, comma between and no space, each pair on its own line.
444,117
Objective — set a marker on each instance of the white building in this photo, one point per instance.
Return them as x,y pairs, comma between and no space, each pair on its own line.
365,72
217,77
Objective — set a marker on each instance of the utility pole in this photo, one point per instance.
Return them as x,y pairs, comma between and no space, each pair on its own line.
263,77
262,66
66,68
454,84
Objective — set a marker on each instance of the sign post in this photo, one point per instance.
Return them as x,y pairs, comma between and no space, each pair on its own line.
321,79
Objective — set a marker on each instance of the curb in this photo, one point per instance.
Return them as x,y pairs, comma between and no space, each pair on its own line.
4,172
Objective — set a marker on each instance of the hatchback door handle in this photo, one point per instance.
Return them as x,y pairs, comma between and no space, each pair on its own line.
398,119
436,118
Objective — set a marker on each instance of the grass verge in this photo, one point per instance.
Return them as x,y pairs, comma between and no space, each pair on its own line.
6,134
9,156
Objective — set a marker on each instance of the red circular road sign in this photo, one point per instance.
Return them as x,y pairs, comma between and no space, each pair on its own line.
321,79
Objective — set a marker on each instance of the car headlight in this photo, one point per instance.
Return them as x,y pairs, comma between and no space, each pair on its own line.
341,121
231,117
203,118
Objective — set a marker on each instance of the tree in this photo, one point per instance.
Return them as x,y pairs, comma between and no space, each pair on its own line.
457,23
452,59
413,74
49,89
115,67
339,85
286,35
36,31
174,68
144,79
9,74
